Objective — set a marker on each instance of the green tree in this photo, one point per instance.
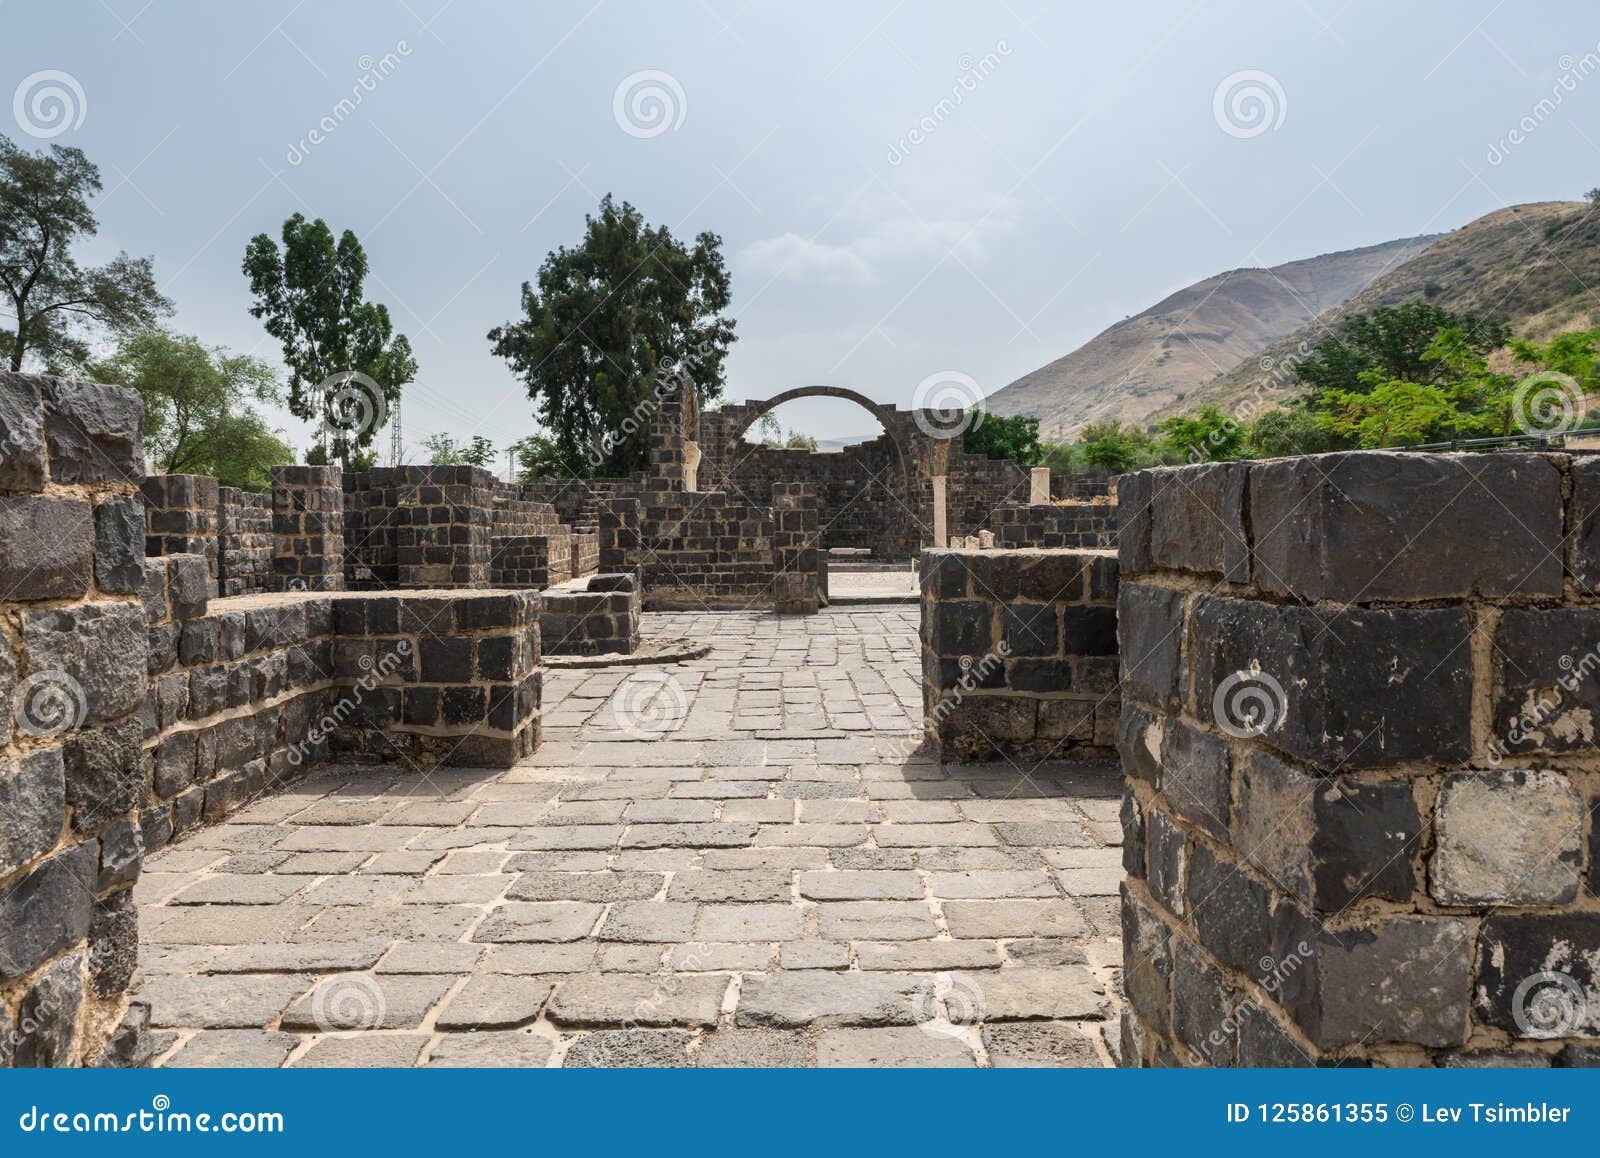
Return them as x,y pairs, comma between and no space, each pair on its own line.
1289,430
1110,446
1015,437
199,416
536,457
1060,457
1394,342
56,306
1593,196
1208,436
1391,413
609,317
446,451
309,296
798,441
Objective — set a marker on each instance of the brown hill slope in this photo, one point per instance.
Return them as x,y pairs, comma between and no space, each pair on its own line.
1148,362
1529,265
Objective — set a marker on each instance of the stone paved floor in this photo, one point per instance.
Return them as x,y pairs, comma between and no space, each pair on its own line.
743,860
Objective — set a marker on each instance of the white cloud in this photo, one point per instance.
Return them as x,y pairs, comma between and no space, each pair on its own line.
892,237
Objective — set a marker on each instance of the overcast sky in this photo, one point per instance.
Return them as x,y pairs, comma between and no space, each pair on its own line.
903,190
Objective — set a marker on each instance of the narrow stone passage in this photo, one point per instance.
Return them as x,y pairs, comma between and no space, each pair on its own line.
742,860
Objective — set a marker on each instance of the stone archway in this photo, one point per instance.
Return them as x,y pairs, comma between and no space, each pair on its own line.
880,494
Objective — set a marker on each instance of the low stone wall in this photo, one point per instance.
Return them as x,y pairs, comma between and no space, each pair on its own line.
617,523
72,651
419,526
1019,653
598,621
1082,485
531,561
1361,779
704,549
244,541
1056,525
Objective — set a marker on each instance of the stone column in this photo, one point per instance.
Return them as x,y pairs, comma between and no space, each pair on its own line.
1359,778
795,552
307,528
941,532
181,516
1039,485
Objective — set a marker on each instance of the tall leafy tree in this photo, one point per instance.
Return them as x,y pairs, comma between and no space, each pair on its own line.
1394,342
54,306
199,413
446,451
1014,436
608,318
310,297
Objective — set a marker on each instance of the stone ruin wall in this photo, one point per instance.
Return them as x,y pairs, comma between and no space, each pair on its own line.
139,705
1361,781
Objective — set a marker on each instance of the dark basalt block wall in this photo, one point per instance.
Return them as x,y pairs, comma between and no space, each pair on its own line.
1019,653
72,676
1358,693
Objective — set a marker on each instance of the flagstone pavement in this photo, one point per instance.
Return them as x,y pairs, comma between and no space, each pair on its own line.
744,860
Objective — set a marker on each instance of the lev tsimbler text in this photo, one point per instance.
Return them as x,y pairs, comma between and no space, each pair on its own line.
1378,1113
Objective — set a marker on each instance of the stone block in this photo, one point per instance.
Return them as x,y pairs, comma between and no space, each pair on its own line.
32,805
100,646
1538,975
1507,838
46,547
22,446
119,545
103,774
94,433
1285,674
1377,525
1329,841
1150,628
48,909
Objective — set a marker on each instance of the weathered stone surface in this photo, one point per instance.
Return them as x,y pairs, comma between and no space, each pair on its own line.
762,922
113,944
1537,974
1196,521
47,1015
1018,993
1150,629
121,854
885,885
22,465
46,547
363,1051
1283,673
1195,777
1202,1004
620,999
494,1002
1506,838
539,921
48,909
99,645
1401,980
220,1048
876,920
119,545
346,1002
1146,962
220,1002
747,1048
32,804
1379,525
730,885
1046,1043
94,433
815,997
877,1048
649,921
1328,840
629,1048
103,774
1230,910
492,1050
1019,918
602,886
